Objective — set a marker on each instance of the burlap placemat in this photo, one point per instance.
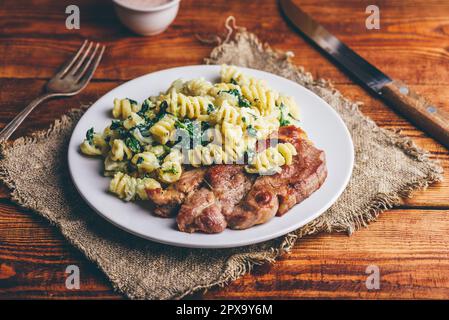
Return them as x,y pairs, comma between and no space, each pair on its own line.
35,168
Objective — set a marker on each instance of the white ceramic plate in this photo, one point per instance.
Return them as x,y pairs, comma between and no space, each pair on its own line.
322,124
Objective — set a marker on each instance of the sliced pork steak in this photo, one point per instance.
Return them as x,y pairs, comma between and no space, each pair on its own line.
201,212
226,196
207,209
168,201
276,194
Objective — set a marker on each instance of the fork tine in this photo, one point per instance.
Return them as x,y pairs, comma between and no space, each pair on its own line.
84,80
80,61
86,65
69,63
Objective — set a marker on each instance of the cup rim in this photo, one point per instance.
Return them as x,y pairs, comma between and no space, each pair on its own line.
150,9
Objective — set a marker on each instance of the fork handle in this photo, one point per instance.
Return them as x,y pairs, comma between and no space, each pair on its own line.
9,129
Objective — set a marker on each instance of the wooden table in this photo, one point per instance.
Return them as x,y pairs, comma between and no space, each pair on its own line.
410,244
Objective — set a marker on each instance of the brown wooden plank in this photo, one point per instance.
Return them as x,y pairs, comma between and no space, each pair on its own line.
34,256
410,246
410,51
334,265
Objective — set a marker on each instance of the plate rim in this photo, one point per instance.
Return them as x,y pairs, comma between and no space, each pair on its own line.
271,235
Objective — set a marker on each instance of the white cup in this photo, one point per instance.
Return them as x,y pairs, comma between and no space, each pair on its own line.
147,21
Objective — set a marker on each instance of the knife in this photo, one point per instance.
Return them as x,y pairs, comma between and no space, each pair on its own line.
418,110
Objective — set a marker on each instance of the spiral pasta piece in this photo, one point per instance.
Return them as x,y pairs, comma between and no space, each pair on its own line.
242,117
221,87
163,129
132,120
262,98
205,155
226,122
190,107
271,159
129,188
231,74
145,161
158,150
171,168
111,167
170,171
292,108
120,150
123,108
197,87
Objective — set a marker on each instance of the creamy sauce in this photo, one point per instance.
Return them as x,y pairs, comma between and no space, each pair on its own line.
143,4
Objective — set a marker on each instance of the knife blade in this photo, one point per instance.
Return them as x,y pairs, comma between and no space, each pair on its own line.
399,96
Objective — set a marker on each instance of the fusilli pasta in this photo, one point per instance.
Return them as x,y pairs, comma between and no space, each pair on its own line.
184,106
120,150
218,123
163,129
145,161
123,108
129,188
271,159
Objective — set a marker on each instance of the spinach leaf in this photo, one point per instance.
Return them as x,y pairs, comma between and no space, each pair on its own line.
162,109
243,103
204,127
132,101
133,144
144,108
170,170
186,124
90,136
210,108
251,131
123,133
115,124
145,127
283,117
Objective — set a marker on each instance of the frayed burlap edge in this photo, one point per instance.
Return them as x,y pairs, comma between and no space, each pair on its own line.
357,220
237,265
240,264
65,121
383,201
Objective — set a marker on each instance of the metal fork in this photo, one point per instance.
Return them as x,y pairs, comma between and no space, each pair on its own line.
73,77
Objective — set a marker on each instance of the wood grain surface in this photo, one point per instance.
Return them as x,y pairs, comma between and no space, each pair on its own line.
418,110
409,244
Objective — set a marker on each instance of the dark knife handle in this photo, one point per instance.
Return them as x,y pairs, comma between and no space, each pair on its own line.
418,110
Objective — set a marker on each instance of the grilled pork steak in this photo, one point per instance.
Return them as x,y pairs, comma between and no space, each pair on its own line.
201,212
168,201
276,194
207,209
229,197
